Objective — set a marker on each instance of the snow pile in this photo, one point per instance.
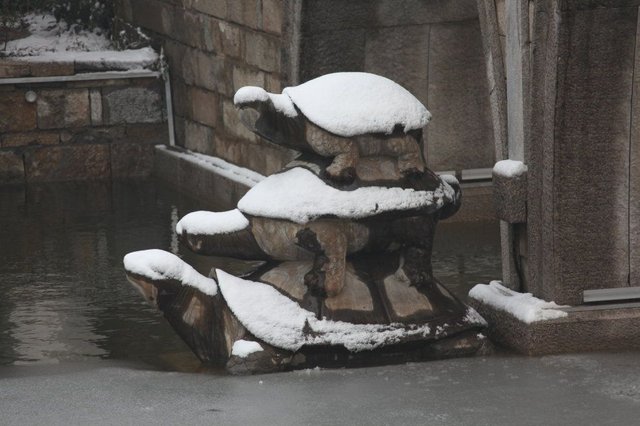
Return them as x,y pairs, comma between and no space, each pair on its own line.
217,165
160,265
354,103
52,41
509,168
300,196
212,223
244,348
281,103
282,323
523,306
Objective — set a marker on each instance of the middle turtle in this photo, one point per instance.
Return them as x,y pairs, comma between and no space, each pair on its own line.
343,116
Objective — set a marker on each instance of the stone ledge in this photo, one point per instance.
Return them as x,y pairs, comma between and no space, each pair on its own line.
585,329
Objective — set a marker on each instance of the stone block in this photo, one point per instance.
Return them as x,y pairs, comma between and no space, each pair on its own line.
232,122
11,168
46,69
510,197
13,69
16,114
152,134
63,108
210,34
95,99
332,51
216,8
263,51
413,12
401,54
204,106
245,12
246,77
231,39
272,11
212,73
131,160
59,163
198,138
460,136
12,140
92,135
132,105
332,15
273,83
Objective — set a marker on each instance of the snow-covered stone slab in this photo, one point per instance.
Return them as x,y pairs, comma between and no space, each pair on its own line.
105,59
509,168
281,322
159,265
355,103
301,196
523,306
212,223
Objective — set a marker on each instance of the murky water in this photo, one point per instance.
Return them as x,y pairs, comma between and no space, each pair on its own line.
63,293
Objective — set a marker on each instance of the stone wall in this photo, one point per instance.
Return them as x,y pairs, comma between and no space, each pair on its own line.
213,48
432,48
79,130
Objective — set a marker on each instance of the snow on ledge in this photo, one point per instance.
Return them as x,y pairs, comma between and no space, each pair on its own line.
300,196
509,168
282,103
212,223
281,322
354,103
216,165
105,59
244,348
161,265
523,306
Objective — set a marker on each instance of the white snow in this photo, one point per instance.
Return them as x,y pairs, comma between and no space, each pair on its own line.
300,196
523,306
217,165
212,223
509,168
281,103
281,322
244,348
161,265
52,41
354,103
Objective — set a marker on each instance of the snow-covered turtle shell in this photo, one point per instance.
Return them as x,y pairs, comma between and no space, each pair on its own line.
347,104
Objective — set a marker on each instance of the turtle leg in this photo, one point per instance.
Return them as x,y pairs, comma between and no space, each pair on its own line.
329,246
343,150
407,151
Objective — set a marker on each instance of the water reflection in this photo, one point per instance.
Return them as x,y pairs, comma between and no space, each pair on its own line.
64,294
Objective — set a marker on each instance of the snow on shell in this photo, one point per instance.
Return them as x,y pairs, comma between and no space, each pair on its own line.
509,168
356,103
161,265
281,322
281,103
212,223
300,196
523,306
244,348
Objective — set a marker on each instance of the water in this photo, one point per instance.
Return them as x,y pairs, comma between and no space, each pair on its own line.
64,296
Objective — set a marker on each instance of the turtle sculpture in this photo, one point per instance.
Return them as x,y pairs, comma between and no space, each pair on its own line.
343,236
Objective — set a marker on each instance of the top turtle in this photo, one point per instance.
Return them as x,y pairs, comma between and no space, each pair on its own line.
343,116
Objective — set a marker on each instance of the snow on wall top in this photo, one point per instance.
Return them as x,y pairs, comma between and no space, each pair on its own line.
355,103
300,196
281,322
161,265
523,306
212,223
509,168
250,94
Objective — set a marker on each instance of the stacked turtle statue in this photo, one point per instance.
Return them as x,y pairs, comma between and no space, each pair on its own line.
343,234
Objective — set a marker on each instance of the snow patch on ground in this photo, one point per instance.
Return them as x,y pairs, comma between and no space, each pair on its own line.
52,41
282,323
355,103
217,165
523,306
509,168
212,223
244,348
300,196
160,265
282,103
